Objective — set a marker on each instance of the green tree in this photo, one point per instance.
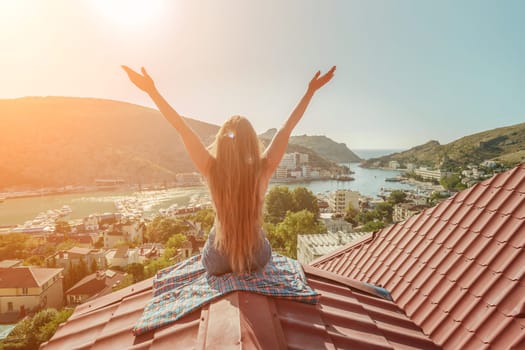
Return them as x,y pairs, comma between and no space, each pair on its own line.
303,198
384,212
278,202
373,226
93,267
62,227
29,333
452,183
136,270
397,197
162,228
35,260
351,214
301,222
206,217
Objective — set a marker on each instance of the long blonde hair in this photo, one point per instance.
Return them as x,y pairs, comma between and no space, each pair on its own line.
234,186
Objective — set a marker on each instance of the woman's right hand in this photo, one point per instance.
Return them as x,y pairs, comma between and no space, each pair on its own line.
142,81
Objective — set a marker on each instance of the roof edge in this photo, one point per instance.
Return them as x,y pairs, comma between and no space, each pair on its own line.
349,282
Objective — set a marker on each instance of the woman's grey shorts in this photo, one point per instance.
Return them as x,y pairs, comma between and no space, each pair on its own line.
217,263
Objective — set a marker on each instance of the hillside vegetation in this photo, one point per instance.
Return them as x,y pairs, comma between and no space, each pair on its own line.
506,145
323,146
58,141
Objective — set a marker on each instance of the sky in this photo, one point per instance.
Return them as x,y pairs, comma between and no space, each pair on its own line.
408,71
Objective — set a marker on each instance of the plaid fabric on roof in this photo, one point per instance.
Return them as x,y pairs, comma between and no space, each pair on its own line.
185,287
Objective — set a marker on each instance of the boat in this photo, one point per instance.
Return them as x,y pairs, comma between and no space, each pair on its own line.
394,179
65,210
344,178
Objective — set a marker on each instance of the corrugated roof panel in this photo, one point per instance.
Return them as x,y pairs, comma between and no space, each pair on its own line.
506,203
506,296
468,257
513,338
346,318
516,270
508,229
459,339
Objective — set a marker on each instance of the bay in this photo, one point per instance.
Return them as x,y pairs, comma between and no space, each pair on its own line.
15,211
368,182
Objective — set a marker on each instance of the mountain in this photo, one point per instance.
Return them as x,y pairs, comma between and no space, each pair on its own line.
57,141
322,145
506,145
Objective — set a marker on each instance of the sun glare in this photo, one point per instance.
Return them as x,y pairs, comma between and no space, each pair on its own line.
130,12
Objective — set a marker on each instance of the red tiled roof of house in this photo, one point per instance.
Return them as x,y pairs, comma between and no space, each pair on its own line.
457,269
25,276
80,250
346,318
95,284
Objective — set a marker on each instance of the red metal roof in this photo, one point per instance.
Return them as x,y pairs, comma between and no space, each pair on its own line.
345,318
457,269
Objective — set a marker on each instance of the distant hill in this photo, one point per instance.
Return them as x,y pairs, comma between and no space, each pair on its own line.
58,141
322,145
506,144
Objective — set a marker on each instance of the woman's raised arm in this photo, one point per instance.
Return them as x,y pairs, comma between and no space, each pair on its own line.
275,151
194,146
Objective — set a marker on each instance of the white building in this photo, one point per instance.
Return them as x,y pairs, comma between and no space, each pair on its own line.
27,289
403,211
289,161
393,164
303,158
280,173
430,174
306,170
335,225
189,179
311,247
340,199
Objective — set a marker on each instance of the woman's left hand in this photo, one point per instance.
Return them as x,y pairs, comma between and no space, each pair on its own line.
318,81
142,81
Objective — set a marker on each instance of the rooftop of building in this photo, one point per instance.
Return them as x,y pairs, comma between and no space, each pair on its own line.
455,272
349,316
457,269
26,276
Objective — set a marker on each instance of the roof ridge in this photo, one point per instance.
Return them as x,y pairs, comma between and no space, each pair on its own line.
33,275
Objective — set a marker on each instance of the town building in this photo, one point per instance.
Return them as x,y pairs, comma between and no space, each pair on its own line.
429,174
10,263
393,164
93,286
280,173
28,289
340,199
335,224
456,269
403,211
288,161
189,179
123,256
75,255
448,278
313,246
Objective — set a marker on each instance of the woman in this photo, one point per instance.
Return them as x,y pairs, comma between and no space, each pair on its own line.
238,174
